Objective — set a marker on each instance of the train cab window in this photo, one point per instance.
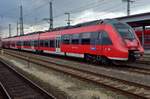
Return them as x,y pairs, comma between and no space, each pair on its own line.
51,43
85,38
75,39
66,39
105,39
125,31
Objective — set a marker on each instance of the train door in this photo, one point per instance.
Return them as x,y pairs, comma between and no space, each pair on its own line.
96,43
21,44
57,43
32,44
99,42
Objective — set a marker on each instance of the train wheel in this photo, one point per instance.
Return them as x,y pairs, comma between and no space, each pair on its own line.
40,51
36,51
87,57
105,61
98,59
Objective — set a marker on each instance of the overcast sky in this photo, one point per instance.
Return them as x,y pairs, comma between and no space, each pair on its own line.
34,11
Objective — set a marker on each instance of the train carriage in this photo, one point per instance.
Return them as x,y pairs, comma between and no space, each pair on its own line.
101,40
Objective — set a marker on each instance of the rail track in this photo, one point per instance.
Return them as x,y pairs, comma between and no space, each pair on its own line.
146,59
15,86
3,92
132,89
147,62
128,68
133,69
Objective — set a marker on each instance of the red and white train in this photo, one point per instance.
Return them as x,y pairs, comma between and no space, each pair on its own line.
145,37
101,40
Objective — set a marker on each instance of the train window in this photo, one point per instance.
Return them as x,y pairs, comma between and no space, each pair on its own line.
28,43
105,39
41,43
85,35
125,31
95,38
85,38
85,41
52,43
32,43
46,43
19,43
35,43
75,39
23,43
66,39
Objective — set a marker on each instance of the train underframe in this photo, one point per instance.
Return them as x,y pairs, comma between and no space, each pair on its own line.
132,57
97,59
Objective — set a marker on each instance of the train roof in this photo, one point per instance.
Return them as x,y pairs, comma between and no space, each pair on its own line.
95,22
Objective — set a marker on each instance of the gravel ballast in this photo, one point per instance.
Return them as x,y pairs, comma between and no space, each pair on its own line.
72,87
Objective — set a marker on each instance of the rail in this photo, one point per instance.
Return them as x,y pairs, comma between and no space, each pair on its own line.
138,91
16,85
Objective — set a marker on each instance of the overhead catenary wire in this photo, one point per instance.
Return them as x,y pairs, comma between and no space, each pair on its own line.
3,14
111,8
82,8
78,11
37,8
62,14
108,10
59,15
91,5
102,4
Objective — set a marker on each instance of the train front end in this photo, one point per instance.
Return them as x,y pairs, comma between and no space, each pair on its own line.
130,40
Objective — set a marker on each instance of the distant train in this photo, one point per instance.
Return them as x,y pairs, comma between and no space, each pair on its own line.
146,37
102,41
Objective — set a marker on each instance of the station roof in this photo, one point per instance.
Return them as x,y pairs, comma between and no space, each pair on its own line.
137,20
